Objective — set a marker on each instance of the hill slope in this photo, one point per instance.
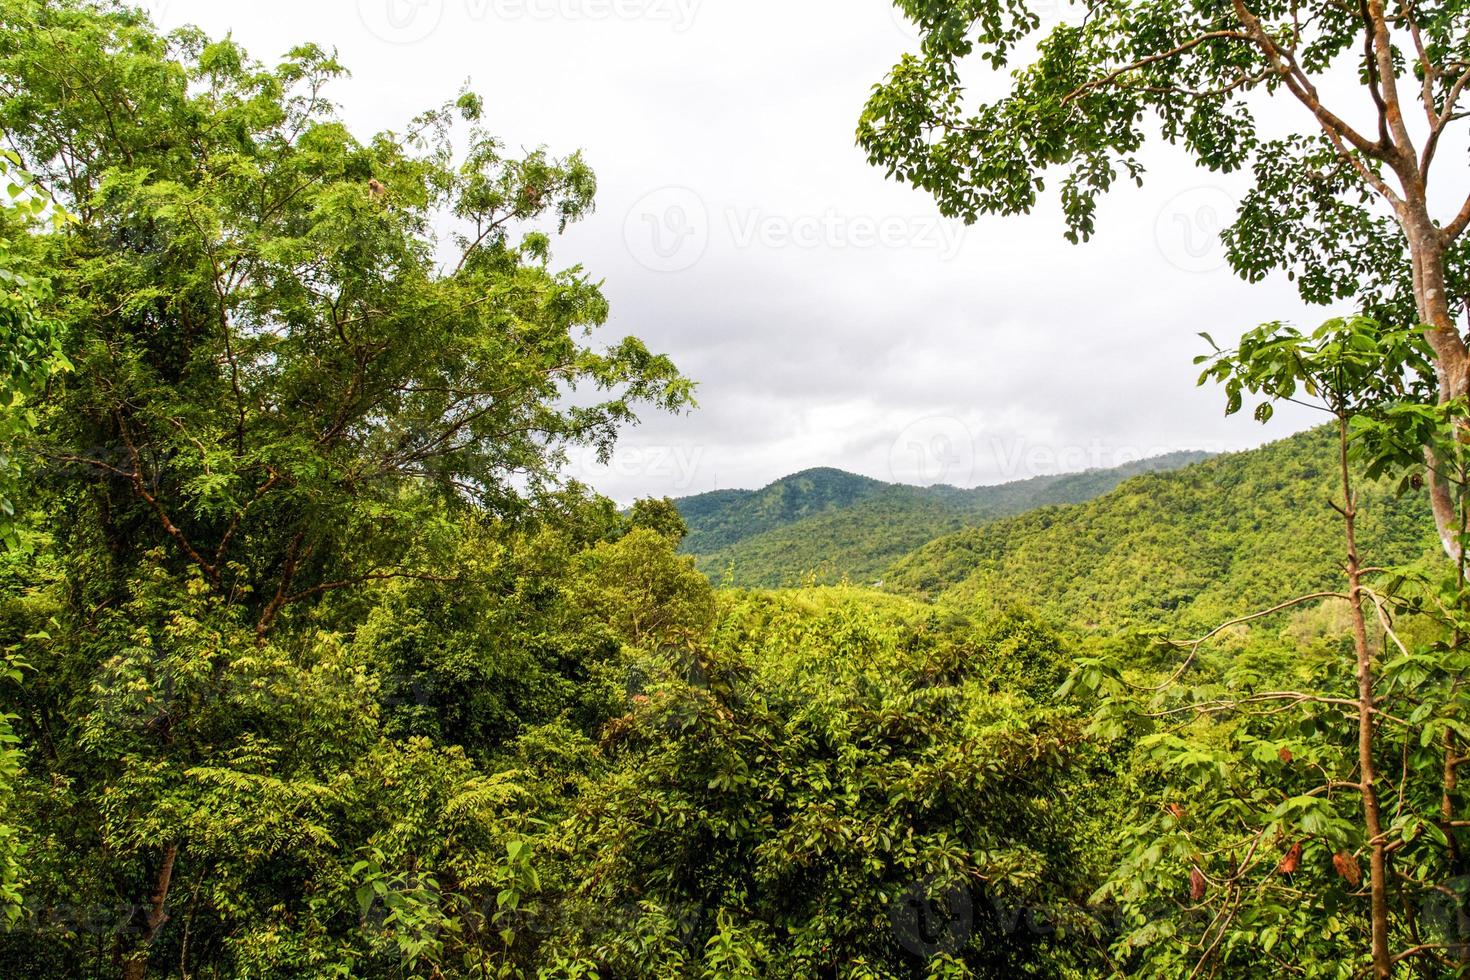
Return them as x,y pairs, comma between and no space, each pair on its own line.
1193,547
722,518
836,525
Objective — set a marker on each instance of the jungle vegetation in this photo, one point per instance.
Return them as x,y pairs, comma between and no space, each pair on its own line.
316,665
830,526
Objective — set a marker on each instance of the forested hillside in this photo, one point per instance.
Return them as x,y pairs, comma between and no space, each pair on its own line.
1193,547
724,517
315,661
828,526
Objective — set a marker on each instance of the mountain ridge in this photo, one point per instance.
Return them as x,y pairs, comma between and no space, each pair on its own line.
1195,546
834,525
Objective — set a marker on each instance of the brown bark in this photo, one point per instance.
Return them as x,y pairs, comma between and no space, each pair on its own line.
135,967
1372,813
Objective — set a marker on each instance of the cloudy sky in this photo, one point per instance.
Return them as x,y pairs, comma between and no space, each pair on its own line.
830,317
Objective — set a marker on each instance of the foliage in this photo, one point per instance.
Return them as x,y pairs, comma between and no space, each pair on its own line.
284,415
328,671
1210,78
1185,550
835,784
30,354
30,341
858,538
275,380
1348,211
1287,774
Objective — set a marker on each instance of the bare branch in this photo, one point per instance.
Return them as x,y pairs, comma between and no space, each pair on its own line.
1456,227
1194,645
370,577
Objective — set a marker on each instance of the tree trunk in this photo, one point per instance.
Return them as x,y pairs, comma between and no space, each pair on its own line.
1452,359
1372,815
135,967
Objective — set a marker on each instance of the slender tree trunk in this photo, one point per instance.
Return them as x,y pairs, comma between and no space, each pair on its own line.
1455,859
135,967
1372,814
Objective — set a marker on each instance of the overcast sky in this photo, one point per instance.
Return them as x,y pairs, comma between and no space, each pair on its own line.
830,317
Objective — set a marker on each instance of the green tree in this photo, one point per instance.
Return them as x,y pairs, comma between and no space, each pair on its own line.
30,354
1260,820
661,515
290,397
830,783
278,373
30,342
1350,211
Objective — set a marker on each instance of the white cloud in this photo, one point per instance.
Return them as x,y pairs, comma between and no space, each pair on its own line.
825,311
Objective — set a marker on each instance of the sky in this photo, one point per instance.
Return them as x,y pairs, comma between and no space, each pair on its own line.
830,317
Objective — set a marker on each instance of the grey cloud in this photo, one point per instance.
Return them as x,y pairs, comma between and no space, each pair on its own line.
813,344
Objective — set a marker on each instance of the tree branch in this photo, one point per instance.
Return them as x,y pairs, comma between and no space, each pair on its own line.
1457,226
1300,85
1152,59
141,488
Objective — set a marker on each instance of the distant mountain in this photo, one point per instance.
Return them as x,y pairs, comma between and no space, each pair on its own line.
720,519
1194,547
833,525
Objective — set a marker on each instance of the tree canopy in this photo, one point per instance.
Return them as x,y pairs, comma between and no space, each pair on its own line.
313,662
1351,211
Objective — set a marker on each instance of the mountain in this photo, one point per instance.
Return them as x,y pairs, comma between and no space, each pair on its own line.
834,525
1193,547
720,519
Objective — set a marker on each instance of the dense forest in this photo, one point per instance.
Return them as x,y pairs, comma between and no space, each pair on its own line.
317,664
831,526
1186,549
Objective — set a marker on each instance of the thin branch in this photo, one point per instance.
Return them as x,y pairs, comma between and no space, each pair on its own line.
1152,59
141,488
1378,606
370,577
1457,226
1194,645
